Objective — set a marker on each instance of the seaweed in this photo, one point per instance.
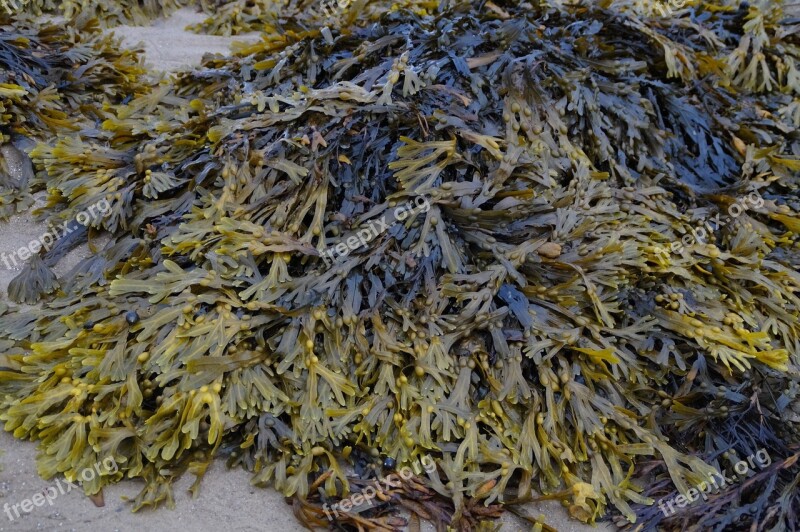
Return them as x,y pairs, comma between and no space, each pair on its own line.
54,80
432,230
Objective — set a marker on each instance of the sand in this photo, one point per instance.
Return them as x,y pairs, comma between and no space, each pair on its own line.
226,499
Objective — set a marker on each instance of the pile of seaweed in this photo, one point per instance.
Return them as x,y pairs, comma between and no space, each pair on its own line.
552,247
53,80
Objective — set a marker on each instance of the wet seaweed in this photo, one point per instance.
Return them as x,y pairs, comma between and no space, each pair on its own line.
502,187
53,80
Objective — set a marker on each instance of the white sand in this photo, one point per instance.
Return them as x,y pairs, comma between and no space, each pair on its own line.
226,500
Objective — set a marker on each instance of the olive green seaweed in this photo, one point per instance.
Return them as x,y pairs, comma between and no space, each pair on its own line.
527,330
